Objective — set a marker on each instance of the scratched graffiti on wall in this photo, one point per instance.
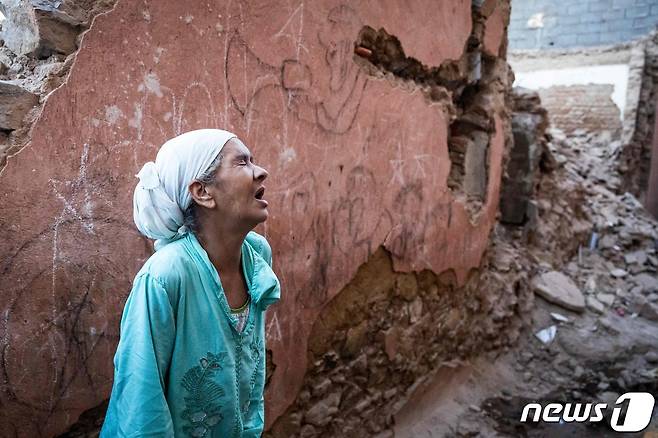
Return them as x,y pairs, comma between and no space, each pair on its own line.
355,161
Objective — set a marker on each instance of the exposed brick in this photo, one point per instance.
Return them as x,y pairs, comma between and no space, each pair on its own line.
581,106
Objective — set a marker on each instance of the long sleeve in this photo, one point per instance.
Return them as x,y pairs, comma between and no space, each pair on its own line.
138,406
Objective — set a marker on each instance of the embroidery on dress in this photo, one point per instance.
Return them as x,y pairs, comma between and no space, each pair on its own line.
202,408
255,348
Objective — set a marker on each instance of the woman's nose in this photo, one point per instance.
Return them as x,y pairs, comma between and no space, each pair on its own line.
260,173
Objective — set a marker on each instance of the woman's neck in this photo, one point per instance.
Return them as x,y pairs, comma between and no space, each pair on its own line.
224,247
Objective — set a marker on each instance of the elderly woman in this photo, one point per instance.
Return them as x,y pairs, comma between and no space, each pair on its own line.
191,356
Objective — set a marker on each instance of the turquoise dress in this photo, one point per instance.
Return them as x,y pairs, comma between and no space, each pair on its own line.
182,368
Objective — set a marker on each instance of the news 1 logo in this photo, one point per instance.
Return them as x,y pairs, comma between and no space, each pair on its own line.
638,413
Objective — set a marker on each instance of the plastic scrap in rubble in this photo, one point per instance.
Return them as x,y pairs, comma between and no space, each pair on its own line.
547,335
559,317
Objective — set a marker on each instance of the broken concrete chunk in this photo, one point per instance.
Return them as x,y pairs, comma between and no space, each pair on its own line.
322,412
651,357
32,28
607,242
559,317
595,305
559,289
636,257
649,311
607,299
618,273
15,102
648,282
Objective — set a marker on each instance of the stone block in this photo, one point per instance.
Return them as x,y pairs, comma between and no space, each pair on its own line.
37,29
15,102
559,289
475,167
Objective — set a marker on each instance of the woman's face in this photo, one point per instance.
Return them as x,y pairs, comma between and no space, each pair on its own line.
238,188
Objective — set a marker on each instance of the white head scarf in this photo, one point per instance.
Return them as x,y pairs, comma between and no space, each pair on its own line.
161,195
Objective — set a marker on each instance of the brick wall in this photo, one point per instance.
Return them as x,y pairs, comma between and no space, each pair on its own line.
580,23
587,107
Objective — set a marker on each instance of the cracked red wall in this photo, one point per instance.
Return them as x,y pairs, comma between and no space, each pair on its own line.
355,163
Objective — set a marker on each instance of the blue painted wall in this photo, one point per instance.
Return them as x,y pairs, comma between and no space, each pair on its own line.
574,23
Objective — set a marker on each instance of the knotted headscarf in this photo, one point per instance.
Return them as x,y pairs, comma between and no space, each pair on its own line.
162,196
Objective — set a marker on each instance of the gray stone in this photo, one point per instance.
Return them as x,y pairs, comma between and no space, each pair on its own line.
651,357
415,310
607,241
618,273
607,299
636,257
321,387
475,172
307,431
38,28
559,289
15,102
648,282
649,311
595,305
321,413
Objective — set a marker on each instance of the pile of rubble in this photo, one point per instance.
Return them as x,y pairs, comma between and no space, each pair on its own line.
593,262
616,266
38,43
590,255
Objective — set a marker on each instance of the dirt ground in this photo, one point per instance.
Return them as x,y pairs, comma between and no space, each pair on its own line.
605,245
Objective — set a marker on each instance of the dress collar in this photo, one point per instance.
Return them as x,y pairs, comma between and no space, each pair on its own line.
262,282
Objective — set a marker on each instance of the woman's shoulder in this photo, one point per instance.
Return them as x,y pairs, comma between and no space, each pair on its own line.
260,244
169,264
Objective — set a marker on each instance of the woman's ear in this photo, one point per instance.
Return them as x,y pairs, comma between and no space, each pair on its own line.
200,194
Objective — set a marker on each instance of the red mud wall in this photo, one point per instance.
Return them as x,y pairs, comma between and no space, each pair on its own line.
356,162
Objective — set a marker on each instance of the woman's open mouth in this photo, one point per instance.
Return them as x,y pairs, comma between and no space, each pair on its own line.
259,196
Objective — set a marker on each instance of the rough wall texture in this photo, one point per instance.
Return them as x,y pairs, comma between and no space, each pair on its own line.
573,23
638,136
529,123
365,152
